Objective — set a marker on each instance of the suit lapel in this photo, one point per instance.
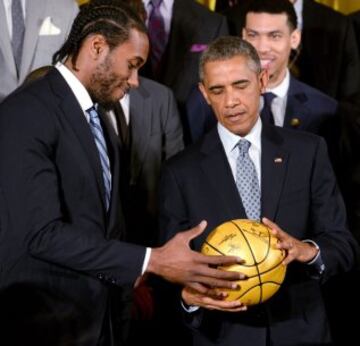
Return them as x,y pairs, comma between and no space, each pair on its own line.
274,162
297,112
140,123
5,42
216,168
35,10
113,229
71,110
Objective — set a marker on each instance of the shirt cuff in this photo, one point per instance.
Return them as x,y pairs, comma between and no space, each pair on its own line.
146,260
189,308
317,262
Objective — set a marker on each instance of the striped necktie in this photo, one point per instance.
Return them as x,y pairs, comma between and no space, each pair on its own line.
18,31
98,134
157,36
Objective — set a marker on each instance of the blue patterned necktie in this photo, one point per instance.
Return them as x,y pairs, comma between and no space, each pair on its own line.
18,31
98,134
157,35
247,181
266,113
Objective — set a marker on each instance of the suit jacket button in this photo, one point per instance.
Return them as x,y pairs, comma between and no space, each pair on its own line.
100,276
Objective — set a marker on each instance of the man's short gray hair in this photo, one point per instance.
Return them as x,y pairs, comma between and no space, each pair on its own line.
227,47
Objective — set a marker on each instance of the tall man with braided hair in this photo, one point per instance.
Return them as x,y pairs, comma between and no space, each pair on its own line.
60,213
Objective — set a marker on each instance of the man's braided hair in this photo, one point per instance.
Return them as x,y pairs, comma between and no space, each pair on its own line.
112,22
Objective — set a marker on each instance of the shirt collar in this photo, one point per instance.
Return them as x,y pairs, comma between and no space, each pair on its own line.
298,6
230,140
167,4
76,86
282,89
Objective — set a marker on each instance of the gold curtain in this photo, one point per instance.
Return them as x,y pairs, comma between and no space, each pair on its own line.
81,2
209,3
344,6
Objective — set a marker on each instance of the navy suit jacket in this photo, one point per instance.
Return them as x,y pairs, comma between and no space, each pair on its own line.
313,111
300,194
54,230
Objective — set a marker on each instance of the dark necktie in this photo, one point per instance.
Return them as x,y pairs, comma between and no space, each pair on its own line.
157,36
122,126
18,30
100,142
247,181
266,113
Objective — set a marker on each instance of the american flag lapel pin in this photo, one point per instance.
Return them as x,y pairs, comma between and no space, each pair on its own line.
278,160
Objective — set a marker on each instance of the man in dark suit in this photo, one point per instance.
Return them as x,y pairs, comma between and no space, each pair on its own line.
60,213
191,27
297,190
271,27
328,57
149,129
46,26
155,134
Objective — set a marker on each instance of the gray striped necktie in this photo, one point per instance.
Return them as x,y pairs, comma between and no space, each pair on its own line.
247,181
100,142
18,31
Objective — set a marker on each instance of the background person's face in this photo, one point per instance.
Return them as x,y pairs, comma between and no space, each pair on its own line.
117,71
233,91
271,36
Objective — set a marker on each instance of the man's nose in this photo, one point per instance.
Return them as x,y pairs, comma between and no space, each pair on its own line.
134,79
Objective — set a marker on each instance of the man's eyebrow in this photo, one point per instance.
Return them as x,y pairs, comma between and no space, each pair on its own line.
216,86
240,81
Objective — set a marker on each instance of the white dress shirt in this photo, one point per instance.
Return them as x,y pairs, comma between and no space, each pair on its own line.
125,105
7,7
278,105
166,10
229,141
85,102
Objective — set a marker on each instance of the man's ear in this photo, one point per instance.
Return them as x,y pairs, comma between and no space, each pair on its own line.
295,39
97,46
263,80
202,88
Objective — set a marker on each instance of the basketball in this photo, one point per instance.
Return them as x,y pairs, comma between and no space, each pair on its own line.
254,243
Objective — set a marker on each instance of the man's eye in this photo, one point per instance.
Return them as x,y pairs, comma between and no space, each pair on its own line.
275,36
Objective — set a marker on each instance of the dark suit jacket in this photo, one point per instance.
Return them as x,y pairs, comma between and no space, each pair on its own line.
355,17
191,24
300,195
307,109
156,134
328,59
348,160
55,231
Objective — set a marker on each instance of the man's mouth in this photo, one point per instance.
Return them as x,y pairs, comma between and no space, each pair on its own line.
265,63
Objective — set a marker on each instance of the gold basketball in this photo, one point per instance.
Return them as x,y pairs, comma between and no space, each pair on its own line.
254,243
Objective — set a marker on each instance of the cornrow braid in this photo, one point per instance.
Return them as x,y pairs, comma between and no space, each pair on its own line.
112,22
